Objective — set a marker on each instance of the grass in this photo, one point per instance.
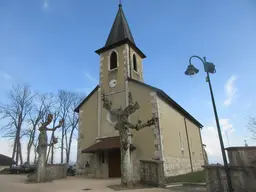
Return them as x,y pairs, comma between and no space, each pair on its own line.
194,177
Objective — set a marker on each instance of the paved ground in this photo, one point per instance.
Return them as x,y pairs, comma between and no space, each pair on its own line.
16,183
187,189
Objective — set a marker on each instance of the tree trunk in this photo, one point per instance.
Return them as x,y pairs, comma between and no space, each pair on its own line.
126,168
14,148
52,148
62,143
48,155
28,154
52,155
20,153
66,147
17,148
41,149
69,144
48,152
30,143
35,158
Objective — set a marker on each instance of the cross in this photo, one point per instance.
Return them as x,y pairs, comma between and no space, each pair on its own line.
120,2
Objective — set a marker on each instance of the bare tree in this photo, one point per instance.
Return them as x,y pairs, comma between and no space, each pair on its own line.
40,108
72,123
65,101
252,126
51,148
15,112
42,147
35,149
123,125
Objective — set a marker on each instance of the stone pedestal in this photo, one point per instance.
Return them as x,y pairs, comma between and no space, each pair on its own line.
53,172
152,173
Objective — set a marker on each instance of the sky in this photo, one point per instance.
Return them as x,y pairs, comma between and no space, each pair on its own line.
50,44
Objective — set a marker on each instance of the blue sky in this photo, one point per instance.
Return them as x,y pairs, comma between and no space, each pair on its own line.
50,45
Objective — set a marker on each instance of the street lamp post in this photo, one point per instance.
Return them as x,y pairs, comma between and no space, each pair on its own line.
210,68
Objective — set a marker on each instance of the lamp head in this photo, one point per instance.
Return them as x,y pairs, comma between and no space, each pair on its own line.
209,67
191,70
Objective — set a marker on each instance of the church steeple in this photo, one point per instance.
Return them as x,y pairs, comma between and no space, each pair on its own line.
120,29
120,34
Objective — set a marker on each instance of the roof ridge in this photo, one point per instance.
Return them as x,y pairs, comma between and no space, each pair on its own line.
170,100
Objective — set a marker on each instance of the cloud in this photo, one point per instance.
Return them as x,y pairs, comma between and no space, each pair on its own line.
6,82
230,90
226,126
91,85
45,4
90,77
5,76
210,138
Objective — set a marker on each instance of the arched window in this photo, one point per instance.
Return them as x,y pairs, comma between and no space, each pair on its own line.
113,61
135,67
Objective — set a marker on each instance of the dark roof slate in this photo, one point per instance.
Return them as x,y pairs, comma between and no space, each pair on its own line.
120,34
6,161
120,29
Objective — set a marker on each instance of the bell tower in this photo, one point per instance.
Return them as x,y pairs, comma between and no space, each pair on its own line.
120,58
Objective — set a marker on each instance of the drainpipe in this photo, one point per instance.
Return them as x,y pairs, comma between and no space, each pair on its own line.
190,159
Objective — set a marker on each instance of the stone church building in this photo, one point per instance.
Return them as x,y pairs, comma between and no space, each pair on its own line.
174,139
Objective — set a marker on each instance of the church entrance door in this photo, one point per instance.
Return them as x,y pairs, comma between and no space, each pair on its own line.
114,163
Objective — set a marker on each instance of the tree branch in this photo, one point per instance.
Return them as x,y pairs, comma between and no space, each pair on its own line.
130,109
107,104
140,125
252,126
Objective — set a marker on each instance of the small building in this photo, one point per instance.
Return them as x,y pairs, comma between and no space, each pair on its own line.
5,162
175,138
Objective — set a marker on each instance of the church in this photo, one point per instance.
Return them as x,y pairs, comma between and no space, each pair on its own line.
175,138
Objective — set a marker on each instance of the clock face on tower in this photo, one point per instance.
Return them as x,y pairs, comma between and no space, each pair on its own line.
112,83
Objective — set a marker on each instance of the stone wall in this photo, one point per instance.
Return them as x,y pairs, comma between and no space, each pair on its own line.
181,165
242,170
53,171
152,173
197,164
3,167
81,167
56,171
176,166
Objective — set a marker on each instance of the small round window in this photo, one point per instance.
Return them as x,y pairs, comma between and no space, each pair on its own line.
111,118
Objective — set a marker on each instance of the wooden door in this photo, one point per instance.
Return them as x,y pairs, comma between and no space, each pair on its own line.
114,163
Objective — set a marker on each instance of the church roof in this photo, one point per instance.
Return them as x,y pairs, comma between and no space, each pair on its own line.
120,29
120,34
6,161
170,101
109,143
160,93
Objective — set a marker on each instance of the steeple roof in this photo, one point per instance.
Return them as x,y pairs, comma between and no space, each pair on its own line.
120,29
120,34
